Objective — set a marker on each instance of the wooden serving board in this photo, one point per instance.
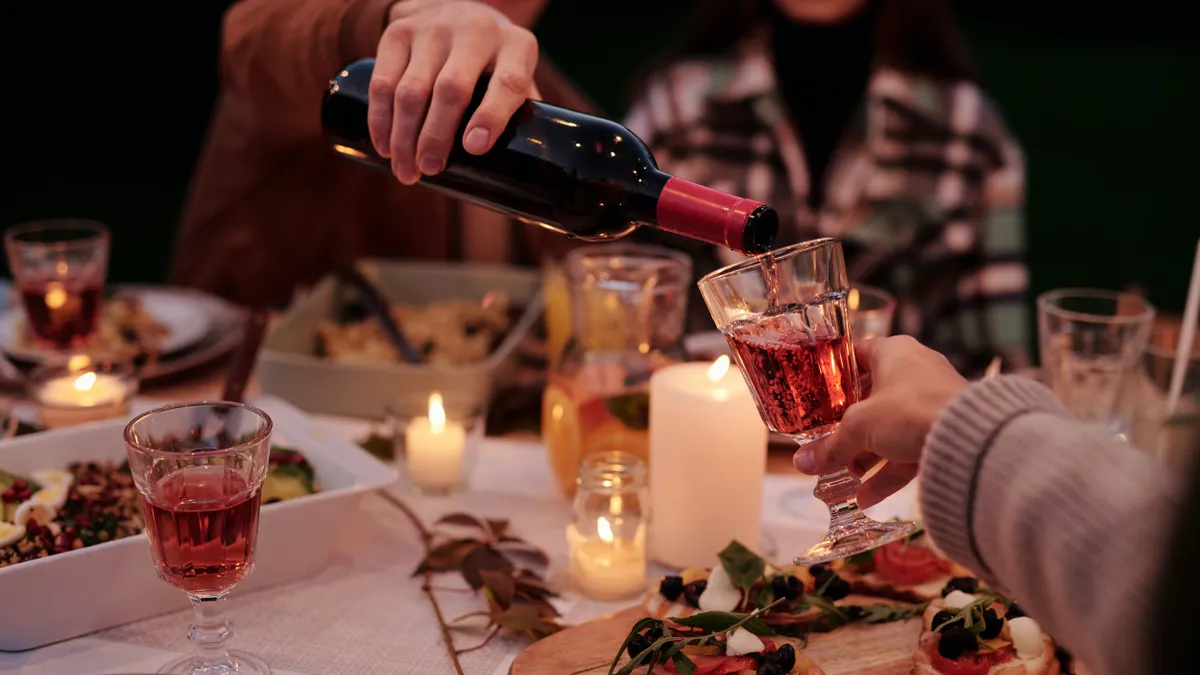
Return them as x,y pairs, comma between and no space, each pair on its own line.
885,649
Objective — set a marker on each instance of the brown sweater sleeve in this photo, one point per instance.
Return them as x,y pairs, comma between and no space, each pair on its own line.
1071,522
279,55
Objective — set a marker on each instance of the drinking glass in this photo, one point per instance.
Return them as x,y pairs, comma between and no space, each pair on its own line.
1091,344
59,268
786,318
200,468
872,311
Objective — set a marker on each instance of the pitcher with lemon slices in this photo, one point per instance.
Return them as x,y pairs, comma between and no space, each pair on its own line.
628,305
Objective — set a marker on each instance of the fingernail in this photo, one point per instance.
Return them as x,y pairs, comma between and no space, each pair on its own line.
805,460
476,140
428,164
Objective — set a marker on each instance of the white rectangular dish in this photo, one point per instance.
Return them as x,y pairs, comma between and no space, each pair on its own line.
70,594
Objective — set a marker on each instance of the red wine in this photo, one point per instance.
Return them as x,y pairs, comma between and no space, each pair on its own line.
202,522
802,380
62,314
586,177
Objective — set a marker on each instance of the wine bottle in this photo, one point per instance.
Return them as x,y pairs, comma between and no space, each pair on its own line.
586,177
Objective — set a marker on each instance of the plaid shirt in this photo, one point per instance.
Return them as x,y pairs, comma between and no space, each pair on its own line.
925,190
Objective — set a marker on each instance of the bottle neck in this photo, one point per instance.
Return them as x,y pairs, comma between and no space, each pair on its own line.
693,210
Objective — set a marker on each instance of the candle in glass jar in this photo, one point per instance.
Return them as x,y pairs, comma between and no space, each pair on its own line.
434,448
84,390
607,566
708,459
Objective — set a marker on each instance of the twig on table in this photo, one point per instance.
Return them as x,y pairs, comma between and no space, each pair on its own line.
426,585
491,634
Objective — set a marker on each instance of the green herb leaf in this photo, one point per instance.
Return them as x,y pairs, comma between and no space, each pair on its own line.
859,559
744,566
683,665
637,629
720,622
632,409
876,614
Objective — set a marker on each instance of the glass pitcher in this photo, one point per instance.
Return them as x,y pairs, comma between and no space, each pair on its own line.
628,303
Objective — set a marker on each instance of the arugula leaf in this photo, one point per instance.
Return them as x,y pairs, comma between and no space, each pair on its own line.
637,630
683,665
859,559
875,614
721,622
744,566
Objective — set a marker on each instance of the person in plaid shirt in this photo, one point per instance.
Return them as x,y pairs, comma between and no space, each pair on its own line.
862,121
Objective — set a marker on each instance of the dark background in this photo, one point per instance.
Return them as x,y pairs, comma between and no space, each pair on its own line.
106,105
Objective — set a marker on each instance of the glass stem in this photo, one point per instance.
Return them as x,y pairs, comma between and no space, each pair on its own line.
839,491
210,631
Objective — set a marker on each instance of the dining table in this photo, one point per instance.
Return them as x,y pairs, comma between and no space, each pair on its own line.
364,613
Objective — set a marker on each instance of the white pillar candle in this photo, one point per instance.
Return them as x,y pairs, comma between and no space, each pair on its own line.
434,447
708,458
84,391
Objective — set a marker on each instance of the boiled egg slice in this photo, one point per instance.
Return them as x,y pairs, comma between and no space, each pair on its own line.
39,512
53,496
49,477
10,533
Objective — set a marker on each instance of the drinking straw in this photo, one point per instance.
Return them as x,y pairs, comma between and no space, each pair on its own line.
1183,350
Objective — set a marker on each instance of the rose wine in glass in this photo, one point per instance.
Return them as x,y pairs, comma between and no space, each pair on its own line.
200,468
62,315
59,268
786,317
202,522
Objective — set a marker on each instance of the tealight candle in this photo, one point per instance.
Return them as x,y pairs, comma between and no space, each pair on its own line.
434,448
606,540
81,391
708,459
606,567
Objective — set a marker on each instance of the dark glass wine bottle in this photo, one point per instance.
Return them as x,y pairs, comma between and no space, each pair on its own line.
586,177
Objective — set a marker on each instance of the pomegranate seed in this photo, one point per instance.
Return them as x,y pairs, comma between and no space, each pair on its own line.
19,485
61,549
9,495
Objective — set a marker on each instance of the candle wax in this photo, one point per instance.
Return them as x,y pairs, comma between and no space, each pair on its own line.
66,391
706,439
434,453
607,570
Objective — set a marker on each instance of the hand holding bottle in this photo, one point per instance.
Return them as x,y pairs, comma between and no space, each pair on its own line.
429,60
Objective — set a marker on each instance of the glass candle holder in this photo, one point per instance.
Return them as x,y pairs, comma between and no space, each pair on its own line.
81,389
606,539
436,437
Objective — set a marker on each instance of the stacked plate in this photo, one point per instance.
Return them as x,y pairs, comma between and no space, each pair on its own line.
200,329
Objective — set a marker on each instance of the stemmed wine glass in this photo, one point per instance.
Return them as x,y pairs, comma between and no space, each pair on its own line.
199,468
785,316
872,311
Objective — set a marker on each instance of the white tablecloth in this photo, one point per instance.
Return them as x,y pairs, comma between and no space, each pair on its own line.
365,615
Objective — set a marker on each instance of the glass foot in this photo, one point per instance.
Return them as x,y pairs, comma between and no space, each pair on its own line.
858,536
238,663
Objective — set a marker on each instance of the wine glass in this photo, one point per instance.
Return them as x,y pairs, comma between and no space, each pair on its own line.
785,315
200,468
872,311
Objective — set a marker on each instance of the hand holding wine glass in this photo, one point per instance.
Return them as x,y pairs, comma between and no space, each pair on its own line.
429,60
910,385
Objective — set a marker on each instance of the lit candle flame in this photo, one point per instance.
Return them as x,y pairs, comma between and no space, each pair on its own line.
604,529
85,382
719,367
437,414
853,300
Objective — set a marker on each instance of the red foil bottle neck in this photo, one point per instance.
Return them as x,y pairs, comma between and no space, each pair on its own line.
703,213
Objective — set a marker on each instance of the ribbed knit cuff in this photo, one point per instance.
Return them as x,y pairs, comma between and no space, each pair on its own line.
955,449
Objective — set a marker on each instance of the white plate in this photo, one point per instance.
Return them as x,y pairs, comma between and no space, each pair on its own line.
187,319
78,592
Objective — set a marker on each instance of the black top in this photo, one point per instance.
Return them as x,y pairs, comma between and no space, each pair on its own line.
823,70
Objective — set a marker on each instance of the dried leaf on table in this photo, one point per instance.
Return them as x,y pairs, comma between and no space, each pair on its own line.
499,529
527,620
463,520
484,559
523,552
502,588
447,556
